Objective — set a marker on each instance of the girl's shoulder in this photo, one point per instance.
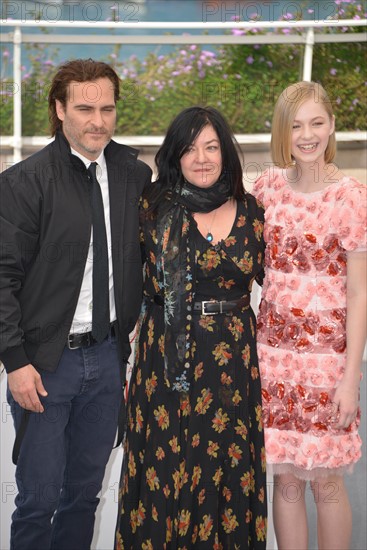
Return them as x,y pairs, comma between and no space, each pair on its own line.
351,182
349,212
270,181
347,190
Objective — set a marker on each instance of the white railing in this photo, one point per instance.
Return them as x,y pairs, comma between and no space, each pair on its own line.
308,38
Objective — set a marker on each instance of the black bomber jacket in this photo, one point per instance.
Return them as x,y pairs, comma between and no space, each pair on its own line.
45,225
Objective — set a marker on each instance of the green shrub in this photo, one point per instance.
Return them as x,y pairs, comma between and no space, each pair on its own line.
243,81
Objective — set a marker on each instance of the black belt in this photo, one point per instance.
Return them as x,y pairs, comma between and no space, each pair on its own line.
84,339
213,307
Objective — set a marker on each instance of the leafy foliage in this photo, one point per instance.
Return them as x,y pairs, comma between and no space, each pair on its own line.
243,81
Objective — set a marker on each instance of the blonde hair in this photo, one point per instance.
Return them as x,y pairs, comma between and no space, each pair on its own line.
285,111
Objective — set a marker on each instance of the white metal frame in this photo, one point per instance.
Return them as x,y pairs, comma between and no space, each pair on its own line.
308,37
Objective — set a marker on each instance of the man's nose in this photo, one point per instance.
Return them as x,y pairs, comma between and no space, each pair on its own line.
97,118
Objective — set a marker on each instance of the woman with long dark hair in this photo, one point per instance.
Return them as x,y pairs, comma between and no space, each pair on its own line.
194,466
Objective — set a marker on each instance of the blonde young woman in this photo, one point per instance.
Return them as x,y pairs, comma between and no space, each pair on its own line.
312,319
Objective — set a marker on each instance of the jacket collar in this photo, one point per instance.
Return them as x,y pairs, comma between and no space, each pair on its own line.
115,153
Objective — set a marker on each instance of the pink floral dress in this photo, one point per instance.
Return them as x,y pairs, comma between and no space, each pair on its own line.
302,322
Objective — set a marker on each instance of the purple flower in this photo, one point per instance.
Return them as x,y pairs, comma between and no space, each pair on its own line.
249,60
238,32
6,53
333,71
355,101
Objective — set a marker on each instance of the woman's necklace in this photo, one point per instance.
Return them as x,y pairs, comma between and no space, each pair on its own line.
209,236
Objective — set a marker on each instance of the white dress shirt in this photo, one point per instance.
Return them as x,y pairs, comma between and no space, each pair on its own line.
82,321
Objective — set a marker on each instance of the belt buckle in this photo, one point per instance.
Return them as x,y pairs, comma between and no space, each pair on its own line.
69,344
203,312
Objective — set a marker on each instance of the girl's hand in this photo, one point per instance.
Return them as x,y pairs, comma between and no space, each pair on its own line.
346,400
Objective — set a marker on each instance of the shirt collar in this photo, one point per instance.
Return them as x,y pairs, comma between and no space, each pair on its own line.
101,161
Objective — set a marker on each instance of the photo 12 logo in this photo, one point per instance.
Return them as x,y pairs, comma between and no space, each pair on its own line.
243,12
70,11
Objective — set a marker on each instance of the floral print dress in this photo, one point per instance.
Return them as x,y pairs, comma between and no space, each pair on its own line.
302,322
193,472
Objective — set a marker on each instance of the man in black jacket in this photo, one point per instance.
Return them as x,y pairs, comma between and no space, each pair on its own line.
71,284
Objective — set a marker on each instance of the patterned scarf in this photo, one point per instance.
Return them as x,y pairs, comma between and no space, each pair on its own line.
176,269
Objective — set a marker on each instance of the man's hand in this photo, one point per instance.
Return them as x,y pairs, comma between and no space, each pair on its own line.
26,385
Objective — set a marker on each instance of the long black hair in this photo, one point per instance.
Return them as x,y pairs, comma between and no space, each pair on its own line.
181,134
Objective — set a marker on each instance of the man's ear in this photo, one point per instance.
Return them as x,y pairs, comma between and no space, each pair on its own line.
60,111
